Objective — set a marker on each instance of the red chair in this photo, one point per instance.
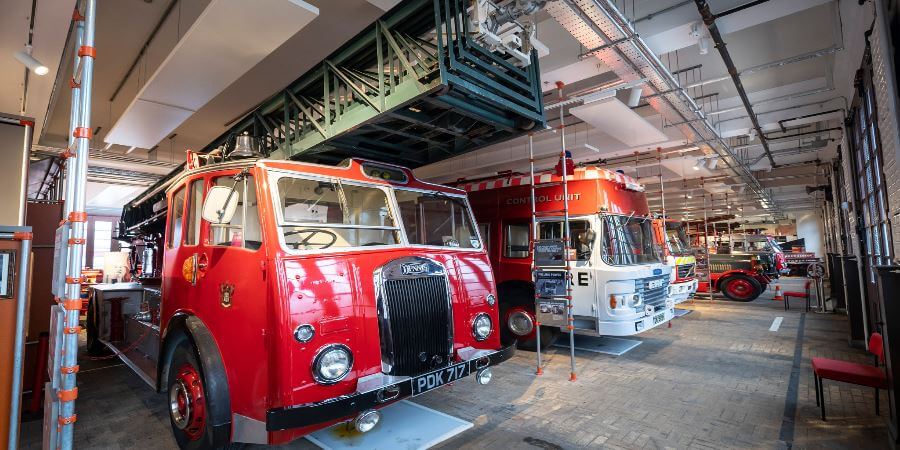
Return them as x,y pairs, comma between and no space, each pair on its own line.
787,296
853,373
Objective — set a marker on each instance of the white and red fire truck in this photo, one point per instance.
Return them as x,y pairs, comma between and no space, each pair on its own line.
619,277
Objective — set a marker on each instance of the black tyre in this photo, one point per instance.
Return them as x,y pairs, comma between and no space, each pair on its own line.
189,401
741,288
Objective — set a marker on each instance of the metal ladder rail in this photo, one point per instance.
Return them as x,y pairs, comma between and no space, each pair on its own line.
567,233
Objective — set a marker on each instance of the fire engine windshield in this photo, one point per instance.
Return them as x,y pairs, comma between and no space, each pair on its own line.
677,239
628,241
436,218
318,214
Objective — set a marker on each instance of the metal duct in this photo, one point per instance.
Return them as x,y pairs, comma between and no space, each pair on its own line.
598,23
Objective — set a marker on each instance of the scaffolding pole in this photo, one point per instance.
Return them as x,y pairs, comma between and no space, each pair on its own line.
75,215
567,242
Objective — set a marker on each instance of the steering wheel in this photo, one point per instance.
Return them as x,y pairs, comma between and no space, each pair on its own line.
312,232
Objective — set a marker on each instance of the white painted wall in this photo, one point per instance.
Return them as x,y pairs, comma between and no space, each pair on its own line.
11,140
809,227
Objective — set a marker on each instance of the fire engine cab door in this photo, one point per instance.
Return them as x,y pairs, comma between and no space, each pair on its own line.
583,289
232,290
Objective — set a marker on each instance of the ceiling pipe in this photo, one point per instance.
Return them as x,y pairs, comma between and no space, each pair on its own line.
137,59
710,20
806,116
670,86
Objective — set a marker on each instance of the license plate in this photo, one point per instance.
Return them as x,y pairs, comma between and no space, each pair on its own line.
659,318
438,378
653,284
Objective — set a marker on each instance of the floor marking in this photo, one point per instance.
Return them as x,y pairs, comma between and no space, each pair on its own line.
776,323
786,434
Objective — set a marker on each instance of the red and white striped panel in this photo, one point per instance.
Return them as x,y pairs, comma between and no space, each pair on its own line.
581,173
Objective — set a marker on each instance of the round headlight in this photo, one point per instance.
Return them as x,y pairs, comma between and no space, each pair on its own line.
635,300
332,364
481,327
491,299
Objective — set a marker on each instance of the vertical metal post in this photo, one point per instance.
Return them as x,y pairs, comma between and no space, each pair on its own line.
534,233
709,286
570,320
19,352
26,153
80,127
662,187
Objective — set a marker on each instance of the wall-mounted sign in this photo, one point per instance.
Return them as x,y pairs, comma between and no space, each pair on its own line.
7,273
549,253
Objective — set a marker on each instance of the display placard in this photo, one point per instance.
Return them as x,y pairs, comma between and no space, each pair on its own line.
7,273
551,312
550,283
549,253
60,258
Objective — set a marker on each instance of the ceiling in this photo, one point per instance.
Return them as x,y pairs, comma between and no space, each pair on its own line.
771,31
757,35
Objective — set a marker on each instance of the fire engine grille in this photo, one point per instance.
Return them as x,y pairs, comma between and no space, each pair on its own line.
415,322
685,270
655,297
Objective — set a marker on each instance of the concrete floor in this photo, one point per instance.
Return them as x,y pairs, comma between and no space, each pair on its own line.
719,378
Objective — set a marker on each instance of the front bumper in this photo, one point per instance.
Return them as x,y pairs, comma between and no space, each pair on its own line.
679,292
372,392
635,326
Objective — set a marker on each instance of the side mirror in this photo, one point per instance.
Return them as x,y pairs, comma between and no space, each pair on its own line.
220,205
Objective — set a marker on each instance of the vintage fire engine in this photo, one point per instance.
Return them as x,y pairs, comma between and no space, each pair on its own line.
620,280
672,238
294,296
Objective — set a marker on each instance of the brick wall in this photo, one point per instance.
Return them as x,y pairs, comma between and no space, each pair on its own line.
886,99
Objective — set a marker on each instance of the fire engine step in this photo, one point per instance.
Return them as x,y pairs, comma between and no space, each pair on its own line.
682,312
609,345
403,425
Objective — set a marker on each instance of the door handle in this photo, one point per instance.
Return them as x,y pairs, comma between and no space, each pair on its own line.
202,264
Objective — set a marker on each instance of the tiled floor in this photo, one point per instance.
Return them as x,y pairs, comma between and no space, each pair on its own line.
719,378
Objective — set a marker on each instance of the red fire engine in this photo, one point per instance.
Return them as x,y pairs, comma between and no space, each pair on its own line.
619,276
294,296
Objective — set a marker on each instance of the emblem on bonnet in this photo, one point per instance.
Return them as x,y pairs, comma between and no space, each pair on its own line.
414,268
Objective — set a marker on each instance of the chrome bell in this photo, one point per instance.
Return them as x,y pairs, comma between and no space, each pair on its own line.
245,146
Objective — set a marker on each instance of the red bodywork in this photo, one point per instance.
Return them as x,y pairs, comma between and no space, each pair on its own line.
503,201
274,291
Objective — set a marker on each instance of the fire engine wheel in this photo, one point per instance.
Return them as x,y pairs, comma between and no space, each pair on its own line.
741,288
188,403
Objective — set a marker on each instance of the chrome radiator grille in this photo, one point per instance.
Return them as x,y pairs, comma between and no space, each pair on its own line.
685,270
415,317
655,297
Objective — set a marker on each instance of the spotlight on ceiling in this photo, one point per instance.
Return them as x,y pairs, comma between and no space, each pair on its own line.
703,45
24,57
752,136
700,163
713,163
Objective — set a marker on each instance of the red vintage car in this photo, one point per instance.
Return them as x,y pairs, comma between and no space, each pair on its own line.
295,296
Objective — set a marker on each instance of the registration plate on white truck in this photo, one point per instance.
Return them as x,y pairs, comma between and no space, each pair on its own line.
659,318
438,378
653,284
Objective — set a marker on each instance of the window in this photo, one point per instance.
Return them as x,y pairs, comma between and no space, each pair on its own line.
102,242
872,209
484,229
435,218
195,206
243,230
580,237
629,241
320,214
176,213
517,240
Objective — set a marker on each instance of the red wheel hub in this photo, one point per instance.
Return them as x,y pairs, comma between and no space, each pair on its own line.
740,288
187,404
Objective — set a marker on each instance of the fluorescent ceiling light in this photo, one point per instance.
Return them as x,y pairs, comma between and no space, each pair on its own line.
24,57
